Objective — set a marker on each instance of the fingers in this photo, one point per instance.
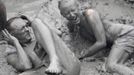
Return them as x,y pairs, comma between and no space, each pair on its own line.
8,34
5,34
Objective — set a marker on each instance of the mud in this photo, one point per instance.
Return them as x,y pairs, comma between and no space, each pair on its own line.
120,11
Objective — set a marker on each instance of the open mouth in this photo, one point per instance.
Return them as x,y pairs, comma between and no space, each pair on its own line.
75,20
72,18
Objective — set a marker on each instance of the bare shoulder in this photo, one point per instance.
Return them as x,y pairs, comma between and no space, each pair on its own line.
89,12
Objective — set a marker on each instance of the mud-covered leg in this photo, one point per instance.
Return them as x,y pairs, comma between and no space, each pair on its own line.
69,62
44,37
113,65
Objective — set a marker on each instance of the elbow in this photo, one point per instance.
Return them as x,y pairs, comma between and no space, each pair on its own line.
22,67
27,67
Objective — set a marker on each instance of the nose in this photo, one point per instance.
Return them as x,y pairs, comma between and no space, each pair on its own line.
72,14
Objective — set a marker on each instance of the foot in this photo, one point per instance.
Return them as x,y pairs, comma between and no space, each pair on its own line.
54,68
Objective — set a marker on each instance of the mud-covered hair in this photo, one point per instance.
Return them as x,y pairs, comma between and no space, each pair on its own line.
14,18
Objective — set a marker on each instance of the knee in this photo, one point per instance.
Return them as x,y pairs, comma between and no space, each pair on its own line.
110,66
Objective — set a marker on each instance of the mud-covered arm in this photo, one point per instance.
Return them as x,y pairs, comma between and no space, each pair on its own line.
95,23
22,57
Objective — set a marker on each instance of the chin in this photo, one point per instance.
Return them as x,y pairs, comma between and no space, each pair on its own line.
29,39
25,40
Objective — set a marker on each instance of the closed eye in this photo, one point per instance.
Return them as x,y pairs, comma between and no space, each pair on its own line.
23,28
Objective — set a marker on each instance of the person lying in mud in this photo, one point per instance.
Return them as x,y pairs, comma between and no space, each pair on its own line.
92,26
23,56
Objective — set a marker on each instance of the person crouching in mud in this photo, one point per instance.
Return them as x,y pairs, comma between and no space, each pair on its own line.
91,25
23,56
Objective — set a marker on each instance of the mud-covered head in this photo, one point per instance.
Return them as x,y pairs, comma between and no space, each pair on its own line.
69,9
20,28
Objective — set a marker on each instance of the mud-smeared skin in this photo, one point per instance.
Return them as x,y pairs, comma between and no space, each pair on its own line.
69,64
2,15
68,59
88,68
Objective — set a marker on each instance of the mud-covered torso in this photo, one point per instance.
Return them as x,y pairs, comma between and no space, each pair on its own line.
37,48
112,31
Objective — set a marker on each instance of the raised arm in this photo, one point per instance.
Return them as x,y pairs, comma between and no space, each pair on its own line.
95,23
22,62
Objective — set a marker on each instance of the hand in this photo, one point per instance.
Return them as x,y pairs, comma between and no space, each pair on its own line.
9,37
83,54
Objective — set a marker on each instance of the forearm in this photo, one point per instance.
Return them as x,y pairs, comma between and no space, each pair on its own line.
96,47
22,55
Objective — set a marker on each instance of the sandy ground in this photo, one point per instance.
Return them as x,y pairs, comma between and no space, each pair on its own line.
114,10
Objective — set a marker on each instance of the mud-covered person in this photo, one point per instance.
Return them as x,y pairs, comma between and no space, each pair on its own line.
91,26
23,56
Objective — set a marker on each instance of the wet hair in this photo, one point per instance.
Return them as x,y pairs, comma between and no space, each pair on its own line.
9,22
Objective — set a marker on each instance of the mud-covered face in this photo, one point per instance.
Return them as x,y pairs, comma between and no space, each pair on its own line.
69,11
21,30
